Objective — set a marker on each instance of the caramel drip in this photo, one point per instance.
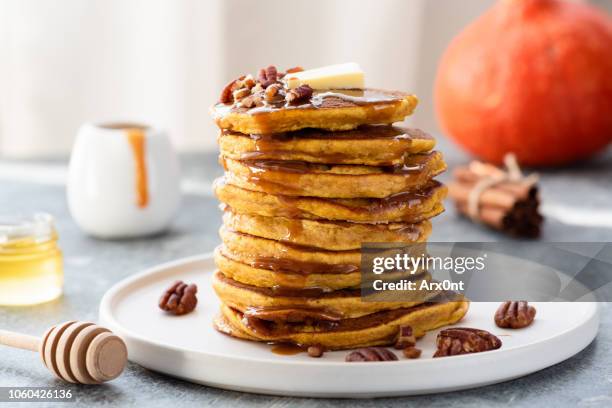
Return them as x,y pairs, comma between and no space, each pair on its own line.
275,329
136,138
287,349
301,294
415,166
364,132
301,267
291,314
272,144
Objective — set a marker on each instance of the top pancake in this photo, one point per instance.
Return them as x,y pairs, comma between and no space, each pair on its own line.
330,110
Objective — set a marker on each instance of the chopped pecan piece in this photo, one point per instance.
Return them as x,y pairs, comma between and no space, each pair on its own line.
463,340
316,351
412,352
257,88
252,101
241,93
179,299
267,76
227,93
248,81
514,315
371,354
272,92
405,338
301,94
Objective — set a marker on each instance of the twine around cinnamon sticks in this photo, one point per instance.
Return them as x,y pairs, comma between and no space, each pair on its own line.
502,199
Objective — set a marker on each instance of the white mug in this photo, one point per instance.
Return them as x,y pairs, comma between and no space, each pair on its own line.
123,180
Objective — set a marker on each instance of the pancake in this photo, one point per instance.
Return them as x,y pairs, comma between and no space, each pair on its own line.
314,303
367,145
378,329
274,255
330,235
411,207
271,274
333,181
329,110
262,277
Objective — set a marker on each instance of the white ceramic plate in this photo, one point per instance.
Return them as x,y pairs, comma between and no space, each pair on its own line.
188,347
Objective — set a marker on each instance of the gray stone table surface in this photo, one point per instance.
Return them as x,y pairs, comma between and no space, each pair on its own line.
92,266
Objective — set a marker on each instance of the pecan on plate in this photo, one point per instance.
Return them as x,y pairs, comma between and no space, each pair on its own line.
267,76
514,315
463,340
405,338
179,299
371,354
301,94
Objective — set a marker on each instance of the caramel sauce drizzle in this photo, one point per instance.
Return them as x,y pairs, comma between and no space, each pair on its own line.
136,138
287,349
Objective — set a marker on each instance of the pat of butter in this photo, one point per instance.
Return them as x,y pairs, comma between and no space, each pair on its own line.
341,76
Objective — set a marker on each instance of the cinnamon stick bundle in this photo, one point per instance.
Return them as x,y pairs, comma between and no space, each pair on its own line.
501,199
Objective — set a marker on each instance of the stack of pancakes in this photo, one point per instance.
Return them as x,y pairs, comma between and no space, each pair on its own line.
304,187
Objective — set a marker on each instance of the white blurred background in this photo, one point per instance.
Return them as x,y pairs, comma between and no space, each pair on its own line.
163,62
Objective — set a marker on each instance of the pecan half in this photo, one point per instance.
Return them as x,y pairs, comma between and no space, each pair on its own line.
463,340
267,76
405,338
179,299
301,94
371,354
514,315
228,90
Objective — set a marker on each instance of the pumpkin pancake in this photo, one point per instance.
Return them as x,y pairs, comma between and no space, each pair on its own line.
377,329
333,181
330,235
330,110
260,276
268,274
368,145
313,303
275,255
411,207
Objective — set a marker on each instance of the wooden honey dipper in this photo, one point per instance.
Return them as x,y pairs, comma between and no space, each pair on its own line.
77,352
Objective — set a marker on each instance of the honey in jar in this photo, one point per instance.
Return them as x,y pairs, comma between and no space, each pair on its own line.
31,269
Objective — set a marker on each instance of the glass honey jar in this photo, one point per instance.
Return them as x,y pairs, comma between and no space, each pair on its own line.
31,267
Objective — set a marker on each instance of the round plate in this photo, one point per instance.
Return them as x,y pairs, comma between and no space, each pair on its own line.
188,347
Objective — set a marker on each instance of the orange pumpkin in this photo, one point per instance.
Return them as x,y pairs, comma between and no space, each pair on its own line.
533,77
